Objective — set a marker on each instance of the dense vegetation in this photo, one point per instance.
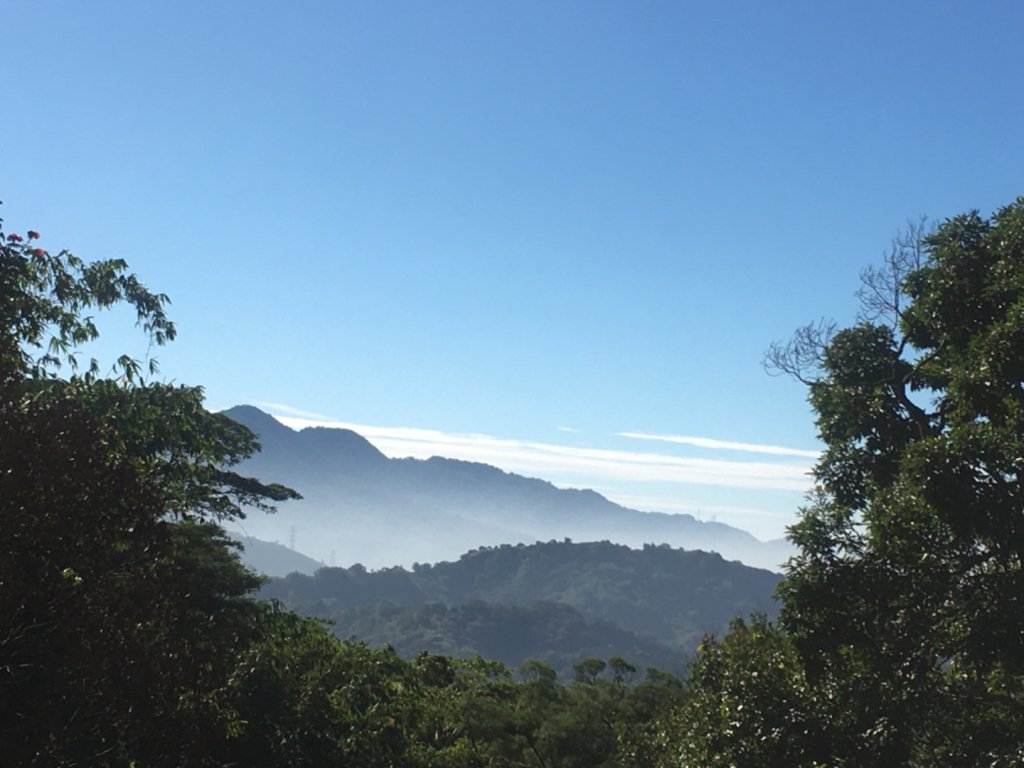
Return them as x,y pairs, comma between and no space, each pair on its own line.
553,633
560,602
129,636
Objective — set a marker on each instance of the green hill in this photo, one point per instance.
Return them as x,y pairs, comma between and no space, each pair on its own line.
559,601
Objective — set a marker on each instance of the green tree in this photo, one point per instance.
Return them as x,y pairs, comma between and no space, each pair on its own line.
647,730
905,601
748,704
901,638
304,698
467,713
121,603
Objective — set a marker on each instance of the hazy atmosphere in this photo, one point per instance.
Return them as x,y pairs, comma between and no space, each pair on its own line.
564,384
553,237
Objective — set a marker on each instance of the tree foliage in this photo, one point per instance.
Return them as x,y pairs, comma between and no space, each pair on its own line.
122,602
911,556
750,703
902,610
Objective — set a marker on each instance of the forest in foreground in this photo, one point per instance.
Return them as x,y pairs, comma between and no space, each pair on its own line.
131,635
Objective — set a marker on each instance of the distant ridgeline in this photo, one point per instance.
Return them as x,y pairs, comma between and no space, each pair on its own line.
360,506
557,602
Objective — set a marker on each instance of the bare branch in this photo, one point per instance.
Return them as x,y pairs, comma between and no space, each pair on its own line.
881,292
803,355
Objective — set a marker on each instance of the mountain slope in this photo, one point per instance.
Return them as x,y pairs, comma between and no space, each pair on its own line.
273,559
361,507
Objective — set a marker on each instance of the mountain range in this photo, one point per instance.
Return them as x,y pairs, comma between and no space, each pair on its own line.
359,506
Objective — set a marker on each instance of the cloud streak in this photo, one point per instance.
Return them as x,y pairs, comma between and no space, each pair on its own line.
726,445
688,506
290,410
566,465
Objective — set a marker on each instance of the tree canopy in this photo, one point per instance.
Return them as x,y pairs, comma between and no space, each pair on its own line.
122,602
903,605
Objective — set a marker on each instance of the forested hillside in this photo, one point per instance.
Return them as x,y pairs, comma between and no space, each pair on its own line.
554,634
610,595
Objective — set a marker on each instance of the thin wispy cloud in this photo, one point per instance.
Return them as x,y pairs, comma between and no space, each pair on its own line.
568,429
289,410
698,510
726,445
563,463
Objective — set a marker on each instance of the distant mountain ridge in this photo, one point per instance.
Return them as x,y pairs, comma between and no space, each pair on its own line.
360,506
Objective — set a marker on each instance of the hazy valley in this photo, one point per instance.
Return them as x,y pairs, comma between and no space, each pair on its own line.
490,563
359,506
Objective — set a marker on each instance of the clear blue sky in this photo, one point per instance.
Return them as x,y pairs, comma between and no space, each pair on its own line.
511,219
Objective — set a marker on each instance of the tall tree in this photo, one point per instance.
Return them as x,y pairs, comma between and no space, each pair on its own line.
120,604
906,598
901,637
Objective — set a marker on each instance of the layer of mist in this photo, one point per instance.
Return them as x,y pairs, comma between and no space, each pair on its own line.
359,506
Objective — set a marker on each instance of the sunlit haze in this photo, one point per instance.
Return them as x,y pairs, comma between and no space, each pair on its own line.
553,237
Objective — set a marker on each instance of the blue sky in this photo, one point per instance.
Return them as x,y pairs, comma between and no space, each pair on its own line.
522,232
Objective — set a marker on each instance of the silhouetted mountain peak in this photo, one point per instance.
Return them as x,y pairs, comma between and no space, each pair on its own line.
324,447
263,425
344,442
